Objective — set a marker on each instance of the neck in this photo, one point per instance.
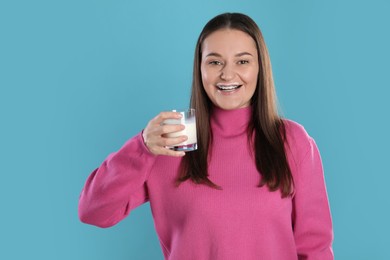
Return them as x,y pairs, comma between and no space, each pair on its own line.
230,122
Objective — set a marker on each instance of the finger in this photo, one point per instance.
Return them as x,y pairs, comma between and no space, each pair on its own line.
172,141
169,152
155,143
163,141
166,129
155,131
166,115
158,150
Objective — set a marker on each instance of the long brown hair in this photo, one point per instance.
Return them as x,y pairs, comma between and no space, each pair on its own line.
266,125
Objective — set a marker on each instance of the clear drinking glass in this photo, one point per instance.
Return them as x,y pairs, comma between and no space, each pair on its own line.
189,120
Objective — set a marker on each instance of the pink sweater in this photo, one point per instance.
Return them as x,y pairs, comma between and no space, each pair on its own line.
241,221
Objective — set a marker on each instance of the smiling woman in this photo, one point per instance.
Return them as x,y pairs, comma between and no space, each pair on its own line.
229,68
255,186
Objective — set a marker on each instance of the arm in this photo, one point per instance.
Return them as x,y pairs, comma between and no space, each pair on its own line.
311,214
117,186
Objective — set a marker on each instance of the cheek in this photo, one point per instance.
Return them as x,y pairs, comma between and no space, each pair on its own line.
207,80
205,75
251,74
251,77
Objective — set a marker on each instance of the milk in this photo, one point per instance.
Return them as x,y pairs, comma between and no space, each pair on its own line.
189,131
189,121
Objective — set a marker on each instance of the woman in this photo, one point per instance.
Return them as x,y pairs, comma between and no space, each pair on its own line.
254,189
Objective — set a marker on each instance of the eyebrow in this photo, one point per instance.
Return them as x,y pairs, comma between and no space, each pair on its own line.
237,55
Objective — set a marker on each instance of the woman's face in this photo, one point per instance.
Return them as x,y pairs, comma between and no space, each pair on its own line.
229,68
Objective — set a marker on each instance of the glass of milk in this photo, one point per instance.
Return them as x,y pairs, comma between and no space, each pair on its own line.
189,120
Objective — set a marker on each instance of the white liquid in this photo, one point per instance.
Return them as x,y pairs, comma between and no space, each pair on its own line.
189,131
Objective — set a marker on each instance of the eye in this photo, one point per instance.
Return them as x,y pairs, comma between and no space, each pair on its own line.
243,62
215,62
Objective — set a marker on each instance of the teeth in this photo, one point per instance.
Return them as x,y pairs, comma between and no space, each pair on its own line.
228,87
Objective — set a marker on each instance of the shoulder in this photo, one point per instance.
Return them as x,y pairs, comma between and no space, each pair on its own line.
296,131
298,139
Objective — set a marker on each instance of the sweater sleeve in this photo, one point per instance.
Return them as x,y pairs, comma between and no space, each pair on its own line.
117,186
311,214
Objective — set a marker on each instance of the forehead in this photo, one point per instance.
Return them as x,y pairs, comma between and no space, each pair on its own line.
226,41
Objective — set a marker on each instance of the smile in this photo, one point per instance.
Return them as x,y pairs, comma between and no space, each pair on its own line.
228,88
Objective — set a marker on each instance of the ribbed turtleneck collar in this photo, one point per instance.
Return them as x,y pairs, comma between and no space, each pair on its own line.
230,122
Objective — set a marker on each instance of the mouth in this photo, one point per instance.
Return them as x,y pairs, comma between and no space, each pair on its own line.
228,88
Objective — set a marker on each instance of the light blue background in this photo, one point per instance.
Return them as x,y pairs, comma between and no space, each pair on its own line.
78,78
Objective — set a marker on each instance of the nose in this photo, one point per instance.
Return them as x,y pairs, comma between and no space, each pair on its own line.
227,72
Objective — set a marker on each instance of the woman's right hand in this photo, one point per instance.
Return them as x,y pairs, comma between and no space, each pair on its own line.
155,138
